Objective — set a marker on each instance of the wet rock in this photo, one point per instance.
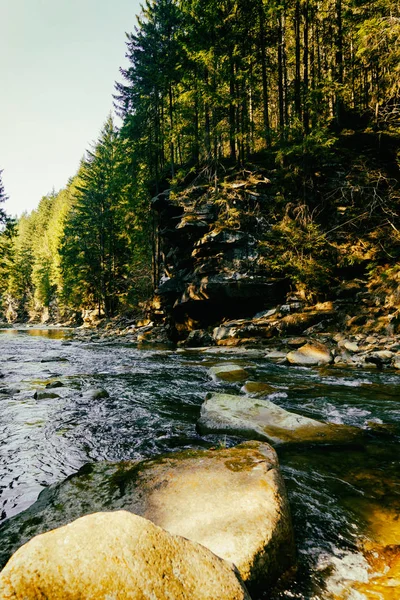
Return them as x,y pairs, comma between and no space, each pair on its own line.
98,394
54,359
349,346
9,391
199,338
38,395
296,342
313,353
154,335
230,500
384,355
344,358
396,362
261,419
297,323
374,360
266,314
258,388
54,385
228,372
121,556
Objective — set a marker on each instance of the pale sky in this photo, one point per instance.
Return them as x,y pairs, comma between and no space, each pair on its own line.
59,60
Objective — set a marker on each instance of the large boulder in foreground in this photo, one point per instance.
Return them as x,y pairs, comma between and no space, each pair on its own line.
231,500
121,556
311,354
257,418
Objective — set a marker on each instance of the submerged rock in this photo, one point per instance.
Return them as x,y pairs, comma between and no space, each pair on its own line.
121,556
261,419
229,372
54,359
313,353
230,500
99,393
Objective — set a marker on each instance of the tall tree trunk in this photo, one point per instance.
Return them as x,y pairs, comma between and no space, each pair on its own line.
171,125
232,128
306,112
281,100
339,63
297,77
264,77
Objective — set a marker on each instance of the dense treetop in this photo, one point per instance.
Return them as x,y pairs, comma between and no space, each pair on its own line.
211,84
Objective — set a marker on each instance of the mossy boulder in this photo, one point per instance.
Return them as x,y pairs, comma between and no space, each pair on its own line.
230,500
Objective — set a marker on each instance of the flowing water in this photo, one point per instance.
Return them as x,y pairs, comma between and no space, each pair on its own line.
341,498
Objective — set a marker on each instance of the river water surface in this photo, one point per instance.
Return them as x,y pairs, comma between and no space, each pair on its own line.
341,498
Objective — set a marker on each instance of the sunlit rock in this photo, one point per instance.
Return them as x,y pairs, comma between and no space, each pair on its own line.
258,388
228,372
121,556
313,353
230,500
348,345
261,419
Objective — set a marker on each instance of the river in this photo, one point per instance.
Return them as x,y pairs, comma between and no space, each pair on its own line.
339,496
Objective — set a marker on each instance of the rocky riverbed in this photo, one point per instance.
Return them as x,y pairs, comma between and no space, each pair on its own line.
69,401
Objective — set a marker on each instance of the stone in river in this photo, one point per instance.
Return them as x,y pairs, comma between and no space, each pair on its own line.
230,500
313,353
38,395
228,372
54,384
54,359
261,419
99,393
259,388
121,556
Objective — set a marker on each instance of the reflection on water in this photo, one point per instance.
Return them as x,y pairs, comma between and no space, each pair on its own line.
51,333
342,499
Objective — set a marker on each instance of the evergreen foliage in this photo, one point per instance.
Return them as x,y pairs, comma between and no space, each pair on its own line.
212,85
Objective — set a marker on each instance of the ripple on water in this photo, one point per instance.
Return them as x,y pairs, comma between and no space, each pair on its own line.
153,405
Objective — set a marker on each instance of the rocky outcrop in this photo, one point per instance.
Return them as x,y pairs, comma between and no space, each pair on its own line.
261,419
121,556
209,268
230,500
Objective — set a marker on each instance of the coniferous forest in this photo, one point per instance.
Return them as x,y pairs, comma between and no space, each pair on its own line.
306,92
